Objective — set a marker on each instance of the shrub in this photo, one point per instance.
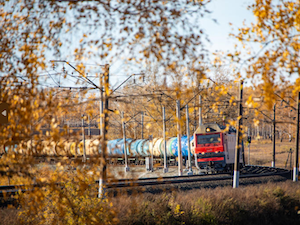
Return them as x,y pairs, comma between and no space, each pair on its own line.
67,204
78,204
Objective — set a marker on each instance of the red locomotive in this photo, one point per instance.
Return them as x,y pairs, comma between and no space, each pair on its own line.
214,147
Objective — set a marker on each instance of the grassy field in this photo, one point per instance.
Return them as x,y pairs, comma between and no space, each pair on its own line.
261,153
272,203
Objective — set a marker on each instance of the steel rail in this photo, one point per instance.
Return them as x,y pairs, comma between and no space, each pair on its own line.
189,179
249,172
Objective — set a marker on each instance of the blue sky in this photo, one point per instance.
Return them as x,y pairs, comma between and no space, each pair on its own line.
225,12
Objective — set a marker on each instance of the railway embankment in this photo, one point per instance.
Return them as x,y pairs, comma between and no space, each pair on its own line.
268,203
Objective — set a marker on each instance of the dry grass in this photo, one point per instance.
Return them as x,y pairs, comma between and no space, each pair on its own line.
8,216
261,153
261,204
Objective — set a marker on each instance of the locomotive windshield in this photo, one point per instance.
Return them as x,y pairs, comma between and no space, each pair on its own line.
208,139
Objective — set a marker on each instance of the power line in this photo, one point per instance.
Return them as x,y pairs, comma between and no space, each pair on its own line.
83,75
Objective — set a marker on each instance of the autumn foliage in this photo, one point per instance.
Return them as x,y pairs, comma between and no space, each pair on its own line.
165,42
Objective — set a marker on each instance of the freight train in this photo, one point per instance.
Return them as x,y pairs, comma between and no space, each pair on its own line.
212,148
138,150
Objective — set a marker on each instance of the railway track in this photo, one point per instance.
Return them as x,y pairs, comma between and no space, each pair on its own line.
246,172
156,185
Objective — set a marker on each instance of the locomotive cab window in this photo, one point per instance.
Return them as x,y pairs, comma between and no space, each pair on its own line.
208,139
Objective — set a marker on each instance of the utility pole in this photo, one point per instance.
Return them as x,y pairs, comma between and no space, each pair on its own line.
195,115
274,135
89,126
200,123
104,118
165,141
190,172
68,124
125,145
179,139
135,126
236,173
142,118
151,158
83,139
200,111
101,107
249,145
296,165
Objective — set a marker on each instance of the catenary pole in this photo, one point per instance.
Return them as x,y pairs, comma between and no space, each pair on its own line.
151,158
200,123
125,144
83,139
296,164
104,117
89,126
190,171
179,139
142,119
101,107
68,124
236,172
200,110
135,127
274,135
249,146
195,115
165,141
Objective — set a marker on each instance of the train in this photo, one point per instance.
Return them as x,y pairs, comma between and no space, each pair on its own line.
212,149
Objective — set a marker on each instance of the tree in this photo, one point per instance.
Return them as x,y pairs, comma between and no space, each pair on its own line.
276,32
34,32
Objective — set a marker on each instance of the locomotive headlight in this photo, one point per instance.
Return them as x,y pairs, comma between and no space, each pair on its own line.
216,152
